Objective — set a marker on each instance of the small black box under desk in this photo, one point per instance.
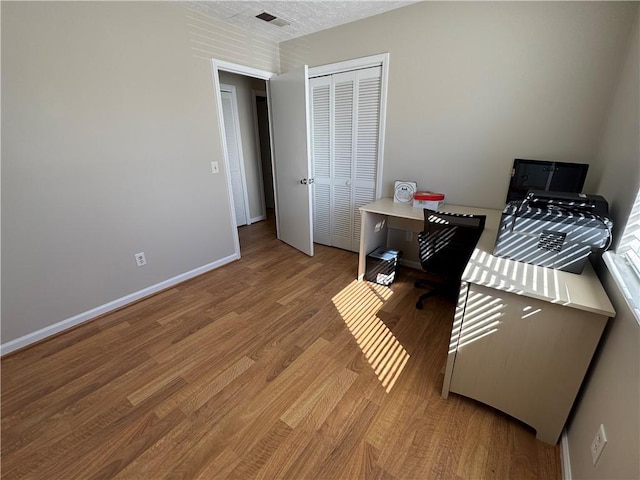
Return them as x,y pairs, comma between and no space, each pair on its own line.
381,265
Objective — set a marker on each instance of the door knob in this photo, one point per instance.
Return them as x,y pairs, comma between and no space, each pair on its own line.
348,183
304,181
311,180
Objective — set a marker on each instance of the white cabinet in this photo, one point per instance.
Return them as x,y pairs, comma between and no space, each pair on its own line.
523,356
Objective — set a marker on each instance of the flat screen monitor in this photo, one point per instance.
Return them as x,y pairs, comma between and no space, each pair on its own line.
545,175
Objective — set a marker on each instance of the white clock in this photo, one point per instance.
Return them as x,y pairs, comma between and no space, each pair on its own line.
403,191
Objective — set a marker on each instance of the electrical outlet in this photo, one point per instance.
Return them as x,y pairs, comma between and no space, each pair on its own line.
597,446
140,260
214,167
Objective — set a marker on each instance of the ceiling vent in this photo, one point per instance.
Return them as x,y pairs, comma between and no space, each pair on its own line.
272,19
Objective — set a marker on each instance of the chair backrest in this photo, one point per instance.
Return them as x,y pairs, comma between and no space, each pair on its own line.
448,240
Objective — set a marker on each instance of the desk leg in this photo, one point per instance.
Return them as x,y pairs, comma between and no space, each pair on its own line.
373,234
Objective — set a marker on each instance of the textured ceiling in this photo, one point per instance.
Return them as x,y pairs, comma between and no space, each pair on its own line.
304,16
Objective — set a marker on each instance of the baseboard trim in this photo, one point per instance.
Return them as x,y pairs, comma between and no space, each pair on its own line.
565,461
76,320
259,218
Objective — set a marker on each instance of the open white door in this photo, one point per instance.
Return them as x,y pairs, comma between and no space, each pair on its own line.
290,134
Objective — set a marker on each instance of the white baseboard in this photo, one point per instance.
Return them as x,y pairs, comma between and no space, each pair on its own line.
58,327
565,461
259,218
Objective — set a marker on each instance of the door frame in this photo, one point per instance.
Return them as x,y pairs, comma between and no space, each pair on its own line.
378,60
254,96
231,89
216,67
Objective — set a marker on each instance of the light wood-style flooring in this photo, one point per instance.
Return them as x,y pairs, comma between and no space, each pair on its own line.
275,366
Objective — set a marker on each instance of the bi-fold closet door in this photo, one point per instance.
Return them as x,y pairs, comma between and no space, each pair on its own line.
345,117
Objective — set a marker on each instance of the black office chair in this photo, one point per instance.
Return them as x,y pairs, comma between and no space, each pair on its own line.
446,245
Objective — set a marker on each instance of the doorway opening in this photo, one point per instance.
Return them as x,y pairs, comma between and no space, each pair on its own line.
248,145
288,107
246,142
263,143
291,133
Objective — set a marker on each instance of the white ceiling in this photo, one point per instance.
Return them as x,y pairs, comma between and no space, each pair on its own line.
304,16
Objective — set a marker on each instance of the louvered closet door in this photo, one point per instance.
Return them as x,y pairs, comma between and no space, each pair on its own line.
367,123
321,153
343,86
332,139
345,130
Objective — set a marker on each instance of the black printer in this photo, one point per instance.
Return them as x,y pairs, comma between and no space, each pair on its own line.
554,229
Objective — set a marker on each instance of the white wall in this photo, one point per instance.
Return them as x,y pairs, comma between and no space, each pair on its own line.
108,128
473,85
618,157
611,393
252,164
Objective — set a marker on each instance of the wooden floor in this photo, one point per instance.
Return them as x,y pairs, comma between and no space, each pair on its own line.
275,366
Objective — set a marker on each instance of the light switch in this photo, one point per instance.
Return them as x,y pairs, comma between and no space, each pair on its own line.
214,167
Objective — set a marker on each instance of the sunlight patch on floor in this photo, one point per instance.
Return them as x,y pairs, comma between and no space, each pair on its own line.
358,304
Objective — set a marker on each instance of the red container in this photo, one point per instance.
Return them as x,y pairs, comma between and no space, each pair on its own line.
428,196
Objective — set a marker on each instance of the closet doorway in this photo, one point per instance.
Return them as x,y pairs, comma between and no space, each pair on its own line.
348,103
